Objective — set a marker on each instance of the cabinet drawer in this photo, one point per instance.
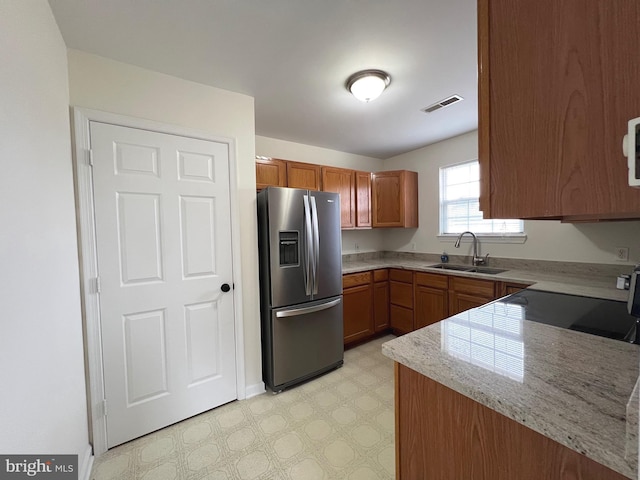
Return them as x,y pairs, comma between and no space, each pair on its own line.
401,319
381,275
405,276
355,279
472,286
432,280
401,294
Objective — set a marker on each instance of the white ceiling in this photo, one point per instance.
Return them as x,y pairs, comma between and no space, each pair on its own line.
294,57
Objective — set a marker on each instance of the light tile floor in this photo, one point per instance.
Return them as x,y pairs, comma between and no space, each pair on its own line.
339,426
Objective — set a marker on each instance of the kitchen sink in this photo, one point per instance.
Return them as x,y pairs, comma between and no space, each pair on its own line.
487,270
469,268
446,266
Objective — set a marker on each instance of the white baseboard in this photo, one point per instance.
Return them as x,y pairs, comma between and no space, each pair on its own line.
253,390
85,463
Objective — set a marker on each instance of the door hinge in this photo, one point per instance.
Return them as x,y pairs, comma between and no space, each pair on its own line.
98,285
104,407
90,157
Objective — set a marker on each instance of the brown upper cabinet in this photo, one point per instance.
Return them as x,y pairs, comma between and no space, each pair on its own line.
270,172
395,199
363,199
557,86
354,188
304,175
342,181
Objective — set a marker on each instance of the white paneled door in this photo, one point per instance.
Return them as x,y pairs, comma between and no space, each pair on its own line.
163,231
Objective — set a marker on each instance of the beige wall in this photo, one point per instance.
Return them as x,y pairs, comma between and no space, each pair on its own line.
102,84
546,239
43,400
352,240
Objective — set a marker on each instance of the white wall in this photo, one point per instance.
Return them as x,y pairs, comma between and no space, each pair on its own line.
547,239
43,400
102,84
365,240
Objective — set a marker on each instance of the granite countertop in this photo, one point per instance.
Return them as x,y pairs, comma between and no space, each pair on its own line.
572,387
583,282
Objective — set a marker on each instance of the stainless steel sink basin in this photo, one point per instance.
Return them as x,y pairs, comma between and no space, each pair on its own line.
469,268
487,270
446,266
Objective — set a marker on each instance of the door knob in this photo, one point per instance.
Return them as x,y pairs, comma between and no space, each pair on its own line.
225,287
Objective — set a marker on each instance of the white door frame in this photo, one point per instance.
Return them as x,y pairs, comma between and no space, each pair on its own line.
89,262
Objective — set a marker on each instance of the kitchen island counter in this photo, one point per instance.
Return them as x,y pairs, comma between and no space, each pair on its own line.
571,387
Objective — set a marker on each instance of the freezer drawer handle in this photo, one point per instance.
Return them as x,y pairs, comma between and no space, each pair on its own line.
305,310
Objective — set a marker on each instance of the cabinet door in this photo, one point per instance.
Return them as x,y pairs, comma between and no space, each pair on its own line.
363,199
270,172
395,199
431,306
303,175
342,181
401,319
357,311
381,306
554,148
460,302
401,294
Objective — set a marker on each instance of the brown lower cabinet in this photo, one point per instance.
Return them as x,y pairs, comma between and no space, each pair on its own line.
381,300
441,434
466,293
401,300
357,306
404,300
432,298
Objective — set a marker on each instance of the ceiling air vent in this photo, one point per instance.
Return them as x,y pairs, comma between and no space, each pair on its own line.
442,103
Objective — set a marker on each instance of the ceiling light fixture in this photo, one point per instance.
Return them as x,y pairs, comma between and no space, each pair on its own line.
367,85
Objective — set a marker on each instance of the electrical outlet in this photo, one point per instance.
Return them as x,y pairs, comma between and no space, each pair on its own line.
622,254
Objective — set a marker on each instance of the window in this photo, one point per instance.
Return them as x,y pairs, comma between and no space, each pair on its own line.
460,207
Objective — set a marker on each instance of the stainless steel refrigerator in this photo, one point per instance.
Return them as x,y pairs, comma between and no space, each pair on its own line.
300,246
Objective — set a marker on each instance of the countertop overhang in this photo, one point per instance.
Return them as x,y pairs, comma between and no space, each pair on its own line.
578,389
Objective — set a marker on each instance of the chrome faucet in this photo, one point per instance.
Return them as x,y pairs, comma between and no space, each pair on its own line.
476,259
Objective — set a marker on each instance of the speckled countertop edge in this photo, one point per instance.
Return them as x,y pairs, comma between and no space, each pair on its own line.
571,404
593,286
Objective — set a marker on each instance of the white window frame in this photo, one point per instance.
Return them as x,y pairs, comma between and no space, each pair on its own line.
511,237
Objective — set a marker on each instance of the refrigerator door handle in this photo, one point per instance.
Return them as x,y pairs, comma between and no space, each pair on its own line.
308,244
316,244
306,310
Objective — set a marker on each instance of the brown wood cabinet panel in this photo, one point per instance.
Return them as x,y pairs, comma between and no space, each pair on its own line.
355,279
399,275
357,313
363,199
514,288
380,275
401,294
270,172
342,181
433,280
441,434
473,286
461,302
431,306
507,288
381,305
554,149
395,199
304,175
401,319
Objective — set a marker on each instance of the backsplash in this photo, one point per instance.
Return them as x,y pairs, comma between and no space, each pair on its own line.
545,266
